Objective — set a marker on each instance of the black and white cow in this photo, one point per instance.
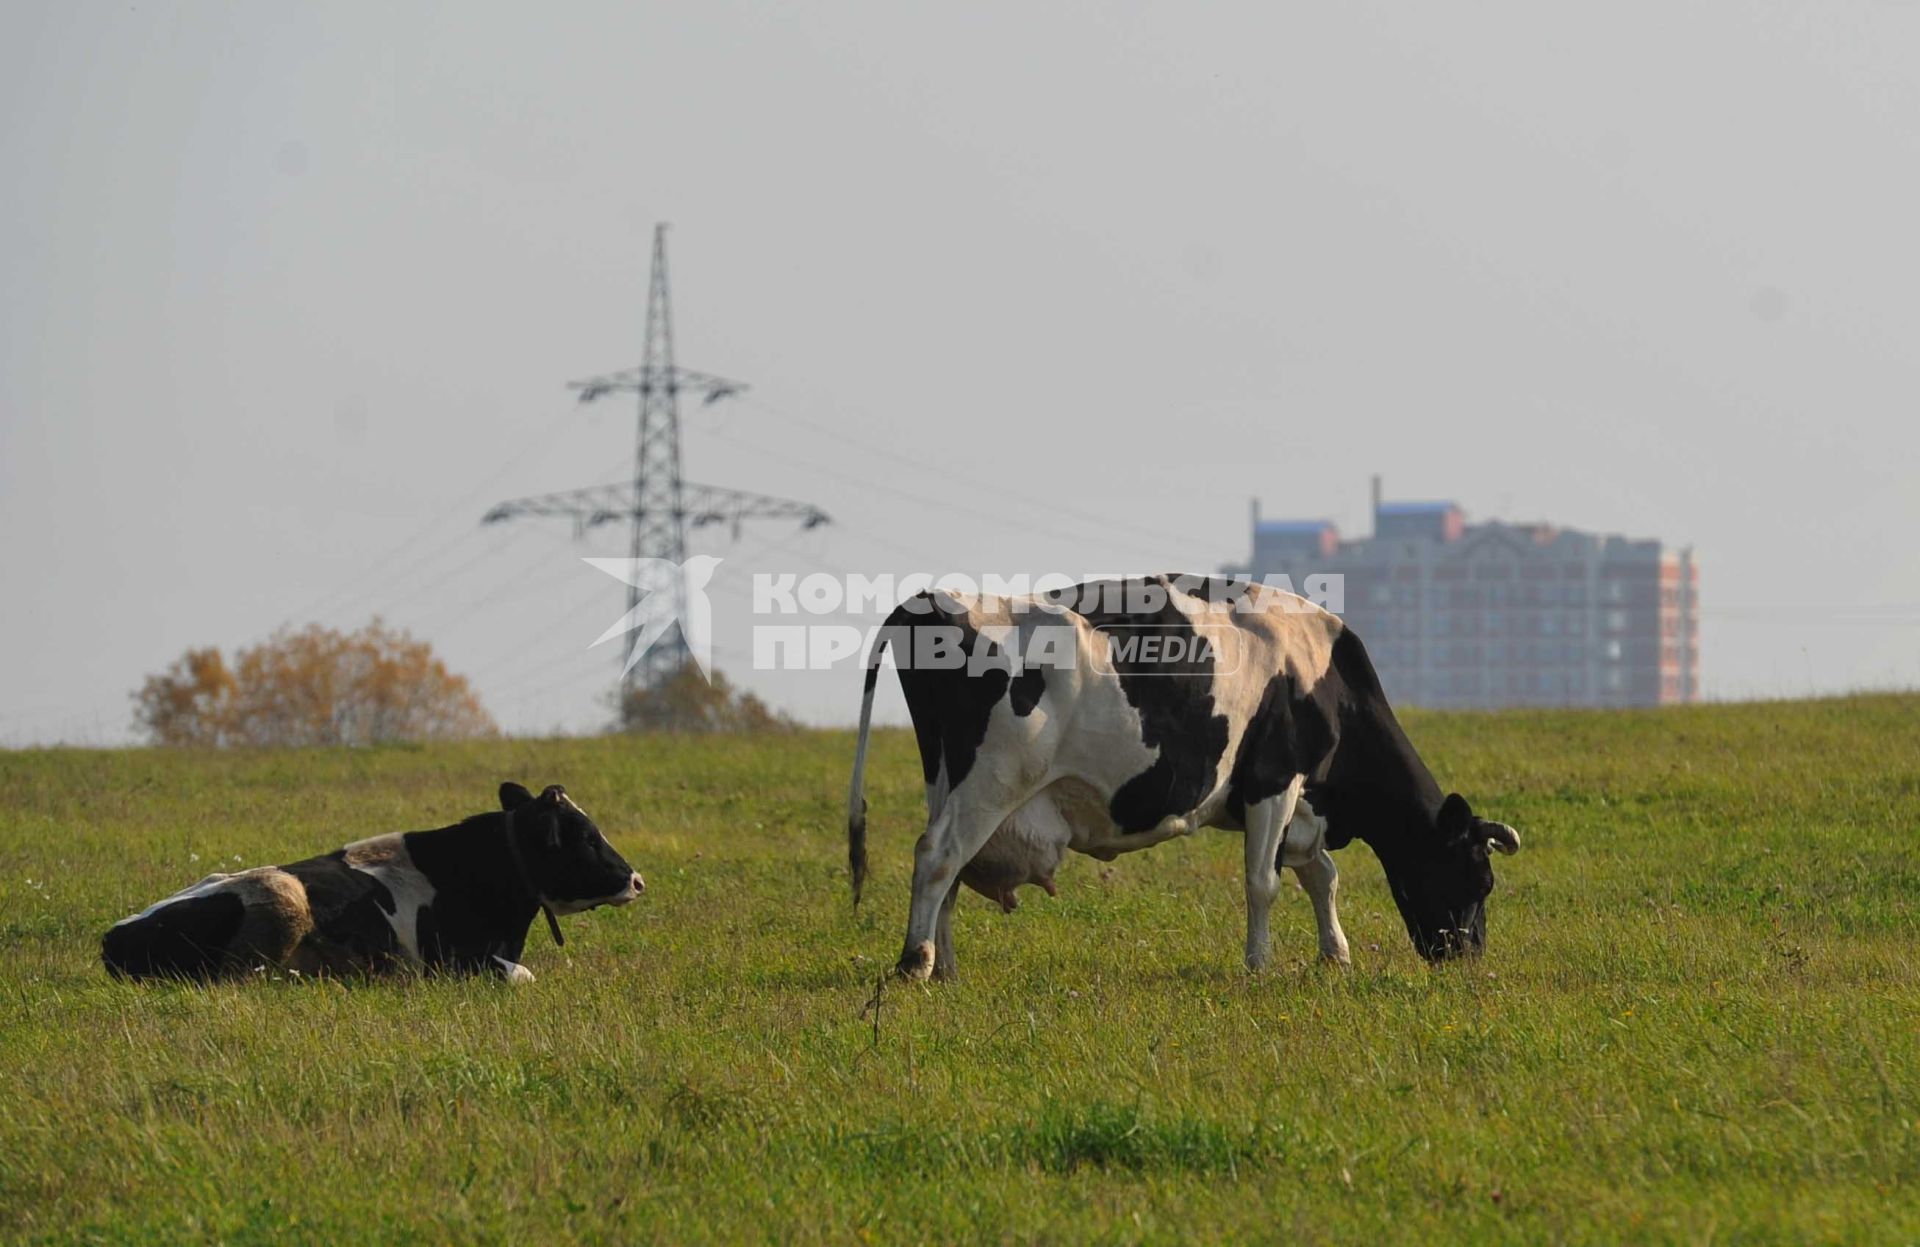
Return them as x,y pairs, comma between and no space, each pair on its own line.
1114,715
457,900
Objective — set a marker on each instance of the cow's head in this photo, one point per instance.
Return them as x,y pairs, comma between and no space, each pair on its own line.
567,862
1442,891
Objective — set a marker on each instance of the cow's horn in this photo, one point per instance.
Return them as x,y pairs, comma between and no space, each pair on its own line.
1502,837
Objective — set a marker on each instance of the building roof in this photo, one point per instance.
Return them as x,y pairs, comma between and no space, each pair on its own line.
1279,528
1415,508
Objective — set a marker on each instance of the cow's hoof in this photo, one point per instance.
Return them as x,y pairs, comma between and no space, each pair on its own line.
916,964
512,971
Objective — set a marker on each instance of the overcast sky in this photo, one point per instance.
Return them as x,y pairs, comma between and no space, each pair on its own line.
289,295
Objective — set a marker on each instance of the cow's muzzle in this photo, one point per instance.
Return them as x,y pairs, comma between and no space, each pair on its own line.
1466,937
625,896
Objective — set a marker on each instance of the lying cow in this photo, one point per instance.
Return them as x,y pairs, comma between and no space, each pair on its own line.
457,900
1175,703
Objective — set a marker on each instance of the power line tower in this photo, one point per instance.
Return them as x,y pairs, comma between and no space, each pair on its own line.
658,502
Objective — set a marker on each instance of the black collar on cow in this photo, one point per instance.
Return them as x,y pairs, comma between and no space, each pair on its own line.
526,881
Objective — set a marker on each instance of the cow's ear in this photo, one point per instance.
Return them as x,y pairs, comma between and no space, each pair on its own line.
1456,817
513,796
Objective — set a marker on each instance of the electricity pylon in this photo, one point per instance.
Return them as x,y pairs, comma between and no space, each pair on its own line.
658,502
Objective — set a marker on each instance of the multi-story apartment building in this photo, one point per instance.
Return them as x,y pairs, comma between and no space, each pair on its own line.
1496,614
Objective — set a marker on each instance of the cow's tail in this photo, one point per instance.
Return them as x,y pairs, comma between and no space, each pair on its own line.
856,791
184,939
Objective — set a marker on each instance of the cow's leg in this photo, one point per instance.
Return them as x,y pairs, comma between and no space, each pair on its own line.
950,842
943,962
1322,881
1266,823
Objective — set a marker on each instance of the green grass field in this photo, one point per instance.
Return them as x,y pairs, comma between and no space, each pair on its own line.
1698,1019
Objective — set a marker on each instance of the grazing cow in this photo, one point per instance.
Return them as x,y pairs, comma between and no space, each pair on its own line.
457,900
1115,715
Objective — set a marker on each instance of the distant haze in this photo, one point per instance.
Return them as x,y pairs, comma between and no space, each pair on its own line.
291,293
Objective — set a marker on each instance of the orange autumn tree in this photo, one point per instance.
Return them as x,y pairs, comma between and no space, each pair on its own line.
314,686
189,703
